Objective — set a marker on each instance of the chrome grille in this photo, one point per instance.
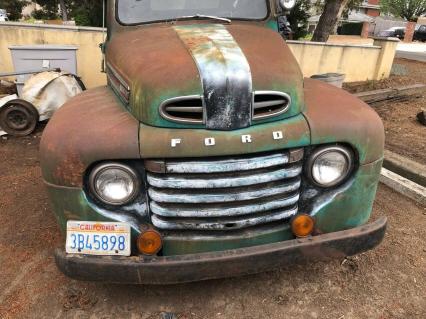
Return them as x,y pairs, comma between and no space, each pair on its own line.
190,109
224,194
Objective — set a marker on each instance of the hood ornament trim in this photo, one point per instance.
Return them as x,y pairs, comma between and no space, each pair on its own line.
225,74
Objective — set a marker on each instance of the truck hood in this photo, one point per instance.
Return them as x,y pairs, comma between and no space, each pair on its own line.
222,64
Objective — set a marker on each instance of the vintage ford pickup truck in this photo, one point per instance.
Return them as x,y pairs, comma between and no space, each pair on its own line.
208,154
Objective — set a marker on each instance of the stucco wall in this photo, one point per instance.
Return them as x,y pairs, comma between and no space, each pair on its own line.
358,62
89,56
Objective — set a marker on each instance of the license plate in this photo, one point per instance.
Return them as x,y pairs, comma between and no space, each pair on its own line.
98,238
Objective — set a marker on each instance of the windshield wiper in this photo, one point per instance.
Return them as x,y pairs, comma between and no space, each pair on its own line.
202,16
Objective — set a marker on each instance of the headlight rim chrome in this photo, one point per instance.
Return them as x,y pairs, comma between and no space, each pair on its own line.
347,152
100,168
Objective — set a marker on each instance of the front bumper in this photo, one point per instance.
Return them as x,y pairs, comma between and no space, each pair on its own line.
229,263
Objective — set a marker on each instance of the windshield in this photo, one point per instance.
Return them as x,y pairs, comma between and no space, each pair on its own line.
142,11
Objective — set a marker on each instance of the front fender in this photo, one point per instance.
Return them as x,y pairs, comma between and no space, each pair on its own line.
91,127
335,116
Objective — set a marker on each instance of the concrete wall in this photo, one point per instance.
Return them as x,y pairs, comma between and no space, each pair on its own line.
358,62
349,39
89,56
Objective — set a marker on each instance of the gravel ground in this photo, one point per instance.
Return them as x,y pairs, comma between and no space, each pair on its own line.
404,134
388,282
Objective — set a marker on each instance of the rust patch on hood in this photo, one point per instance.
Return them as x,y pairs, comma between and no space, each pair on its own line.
91,127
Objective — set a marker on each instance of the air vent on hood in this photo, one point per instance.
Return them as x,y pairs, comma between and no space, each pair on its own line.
269,103
190,109
184,109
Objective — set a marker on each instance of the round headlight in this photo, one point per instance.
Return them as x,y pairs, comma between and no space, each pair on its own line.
114,184
287,4
330,166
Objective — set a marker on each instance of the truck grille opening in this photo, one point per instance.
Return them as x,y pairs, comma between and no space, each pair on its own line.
224,194
190,109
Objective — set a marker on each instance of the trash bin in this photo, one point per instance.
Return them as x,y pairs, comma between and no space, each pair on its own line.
335,79
37,57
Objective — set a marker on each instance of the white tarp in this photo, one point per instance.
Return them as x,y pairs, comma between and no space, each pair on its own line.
47,91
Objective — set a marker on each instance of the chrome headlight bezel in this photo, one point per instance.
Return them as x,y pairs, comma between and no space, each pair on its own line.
347,153
100,169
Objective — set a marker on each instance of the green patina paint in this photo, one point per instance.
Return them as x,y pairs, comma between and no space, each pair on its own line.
272,24
350,208
156,142
150,113
72,204
182,246
143,111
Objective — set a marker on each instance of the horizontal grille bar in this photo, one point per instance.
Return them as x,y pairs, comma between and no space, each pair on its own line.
223,210
222,224
226,165
222,195
200,182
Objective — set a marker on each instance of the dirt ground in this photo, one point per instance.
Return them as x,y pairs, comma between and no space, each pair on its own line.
404,134
388,282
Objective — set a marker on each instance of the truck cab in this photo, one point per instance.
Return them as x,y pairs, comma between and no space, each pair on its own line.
208,154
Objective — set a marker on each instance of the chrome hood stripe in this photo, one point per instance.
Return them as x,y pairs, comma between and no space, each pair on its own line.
225,75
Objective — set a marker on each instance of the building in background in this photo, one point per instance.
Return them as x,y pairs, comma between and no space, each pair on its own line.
370,8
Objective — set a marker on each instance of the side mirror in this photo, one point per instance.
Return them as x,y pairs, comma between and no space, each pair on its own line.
287,5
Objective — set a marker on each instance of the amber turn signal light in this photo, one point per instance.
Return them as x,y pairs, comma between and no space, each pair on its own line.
150,242
302,225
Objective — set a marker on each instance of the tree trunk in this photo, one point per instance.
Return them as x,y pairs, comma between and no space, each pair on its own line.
333,10
63,10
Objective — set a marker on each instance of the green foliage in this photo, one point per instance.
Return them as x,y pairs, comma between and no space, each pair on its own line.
351,29
407,9
49,10
298,18
352,4
87,12
13,8
84,12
